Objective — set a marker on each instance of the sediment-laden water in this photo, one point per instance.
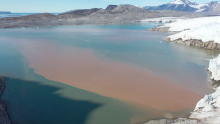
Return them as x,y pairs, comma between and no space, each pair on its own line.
99,74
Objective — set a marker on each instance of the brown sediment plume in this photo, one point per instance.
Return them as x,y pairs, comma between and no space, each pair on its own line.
81,68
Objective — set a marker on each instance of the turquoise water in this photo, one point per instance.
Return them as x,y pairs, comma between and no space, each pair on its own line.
34,99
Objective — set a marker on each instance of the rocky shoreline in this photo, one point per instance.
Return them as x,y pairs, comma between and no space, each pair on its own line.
198,32
160,29
210,45
4,118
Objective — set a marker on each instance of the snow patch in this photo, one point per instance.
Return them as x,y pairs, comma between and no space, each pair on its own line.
199,6
200,10
177,2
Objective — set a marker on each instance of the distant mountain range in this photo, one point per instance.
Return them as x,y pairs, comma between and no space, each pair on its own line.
187,6
5,12
113,14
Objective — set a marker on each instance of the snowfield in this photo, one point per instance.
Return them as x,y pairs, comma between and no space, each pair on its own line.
204,29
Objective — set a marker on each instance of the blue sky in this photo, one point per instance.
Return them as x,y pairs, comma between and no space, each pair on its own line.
66,5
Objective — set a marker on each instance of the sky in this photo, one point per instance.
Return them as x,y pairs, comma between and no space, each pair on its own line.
56,6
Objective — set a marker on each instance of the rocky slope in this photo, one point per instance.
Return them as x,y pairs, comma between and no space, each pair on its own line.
43,19
128,14
216,8
211,6
77,13
111,7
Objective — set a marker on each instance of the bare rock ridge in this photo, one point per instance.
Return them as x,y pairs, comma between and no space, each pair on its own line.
77,13
112,14
4,118
111,7
82,12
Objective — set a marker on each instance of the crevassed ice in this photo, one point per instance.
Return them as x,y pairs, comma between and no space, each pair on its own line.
214,68
204,29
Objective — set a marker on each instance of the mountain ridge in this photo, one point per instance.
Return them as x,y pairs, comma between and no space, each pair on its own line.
185,5
113,14
5,12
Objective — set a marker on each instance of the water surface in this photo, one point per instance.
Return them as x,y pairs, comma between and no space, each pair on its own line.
122,70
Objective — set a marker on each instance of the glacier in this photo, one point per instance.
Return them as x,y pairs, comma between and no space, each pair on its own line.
203,28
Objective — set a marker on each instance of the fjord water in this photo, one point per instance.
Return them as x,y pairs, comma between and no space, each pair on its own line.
99,74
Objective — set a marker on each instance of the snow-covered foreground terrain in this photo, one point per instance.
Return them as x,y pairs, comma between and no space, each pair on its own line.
204,29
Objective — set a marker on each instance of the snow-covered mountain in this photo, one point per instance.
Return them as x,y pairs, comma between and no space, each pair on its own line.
216,8
185,5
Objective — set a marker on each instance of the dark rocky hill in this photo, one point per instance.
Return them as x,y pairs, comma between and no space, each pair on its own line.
111,7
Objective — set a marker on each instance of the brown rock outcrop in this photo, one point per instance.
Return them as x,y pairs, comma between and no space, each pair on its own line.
197,43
